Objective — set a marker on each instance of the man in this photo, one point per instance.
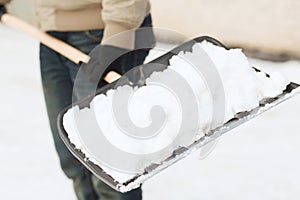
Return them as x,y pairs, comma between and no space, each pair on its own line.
82,24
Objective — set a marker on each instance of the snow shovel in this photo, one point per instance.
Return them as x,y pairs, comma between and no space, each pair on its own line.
135,180
124,182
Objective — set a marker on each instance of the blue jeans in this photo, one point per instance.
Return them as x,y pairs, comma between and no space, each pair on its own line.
58,75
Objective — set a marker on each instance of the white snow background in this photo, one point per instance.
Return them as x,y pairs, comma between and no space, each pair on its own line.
259,160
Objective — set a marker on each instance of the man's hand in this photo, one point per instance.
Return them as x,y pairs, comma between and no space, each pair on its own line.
101,58
2,10
106,58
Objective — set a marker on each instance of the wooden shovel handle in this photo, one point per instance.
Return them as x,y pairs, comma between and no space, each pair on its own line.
60,47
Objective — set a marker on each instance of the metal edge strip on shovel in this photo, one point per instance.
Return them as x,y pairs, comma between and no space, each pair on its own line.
78,57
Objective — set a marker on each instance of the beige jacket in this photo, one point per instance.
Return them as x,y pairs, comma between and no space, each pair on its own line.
78,15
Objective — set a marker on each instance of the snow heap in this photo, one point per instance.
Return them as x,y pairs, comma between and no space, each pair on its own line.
242,86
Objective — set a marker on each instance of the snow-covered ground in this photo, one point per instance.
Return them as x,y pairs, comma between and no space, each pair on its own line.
259,160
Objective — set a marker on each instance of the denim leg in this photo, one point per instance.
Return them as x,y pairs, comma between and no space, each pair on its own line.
58,75
57,87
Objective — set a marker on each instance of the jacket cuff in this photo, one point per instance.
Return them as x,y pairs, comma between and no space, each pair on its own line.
119,35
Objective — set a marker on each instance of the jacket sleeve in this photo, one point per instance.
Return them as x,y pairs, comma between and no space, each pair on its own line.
122,15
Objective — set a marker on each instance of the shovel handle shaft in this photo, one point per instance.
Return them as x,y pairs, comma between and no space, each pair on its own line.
112,76
62,48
